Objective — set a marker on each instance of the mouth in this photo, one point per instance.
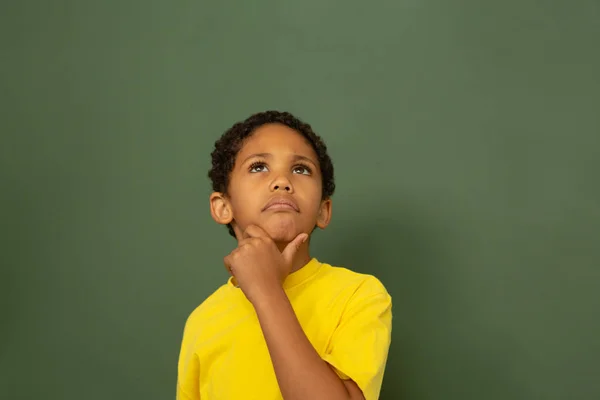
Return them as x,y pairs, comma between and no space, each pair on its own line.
281,203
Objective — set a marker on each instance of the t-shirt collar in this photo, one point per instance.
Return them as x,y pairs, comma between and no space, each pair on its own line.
296,277
301,275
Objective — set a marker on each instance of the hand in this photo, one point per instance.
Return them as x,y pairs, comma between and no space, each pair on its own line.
257,264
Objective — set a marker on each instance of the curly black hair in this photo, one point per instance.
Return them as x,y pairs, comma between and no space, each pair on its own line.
230,143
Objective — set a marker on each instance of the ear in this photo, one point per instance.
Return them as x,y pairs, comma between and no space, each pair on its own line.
220,208
324,214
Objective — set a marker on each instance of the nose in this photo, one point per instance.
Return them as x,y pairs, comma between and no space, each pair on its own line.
282,183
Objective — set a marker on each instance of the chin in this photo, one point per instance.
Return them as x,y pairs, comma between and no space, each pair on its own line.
281,236
282,230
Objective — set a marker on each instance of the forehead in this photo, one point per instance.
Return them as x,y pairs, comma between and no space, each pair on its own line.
277,138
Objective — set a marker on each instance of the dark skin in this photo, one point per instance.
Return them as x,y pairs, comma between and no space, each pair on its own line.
273,203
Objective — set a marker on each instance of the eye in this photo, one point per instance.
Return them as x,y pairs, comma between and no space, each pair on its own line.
302,169
258,167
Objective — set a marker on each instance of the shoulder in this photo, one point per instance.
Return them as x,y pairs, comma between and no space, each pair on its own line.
366,284
359,285
209,306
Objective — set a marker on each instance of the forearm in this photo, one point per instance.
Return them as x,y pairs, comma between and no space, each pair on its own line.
300,371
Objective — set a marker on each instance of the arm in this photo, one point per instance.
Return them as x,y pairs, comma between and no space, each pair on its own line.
300,371
188,368
260,268
183,395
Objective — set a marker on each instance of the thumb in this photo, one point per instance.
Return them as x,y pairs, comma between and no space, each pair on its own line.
293,246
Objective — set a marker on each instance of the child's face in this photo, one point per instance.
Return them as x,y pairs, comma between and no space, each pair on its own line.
275,165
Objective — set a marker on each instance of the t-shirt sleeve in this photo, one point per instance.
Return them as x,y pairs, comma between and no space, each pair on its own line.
188,368
359,346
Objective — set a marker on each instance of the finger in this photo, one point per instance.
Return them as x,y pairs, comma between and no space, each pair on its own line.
255,231
227,264
248,242
293,246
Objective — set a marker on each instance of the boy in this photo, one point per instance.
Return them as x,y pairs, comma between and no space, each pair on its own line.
284,325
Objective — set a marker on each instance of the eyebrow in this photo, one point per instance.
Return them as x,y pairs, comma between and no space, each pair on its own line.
296,157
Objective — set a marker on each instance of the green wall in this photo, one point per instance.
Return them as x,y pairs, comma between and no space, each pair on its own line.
466,138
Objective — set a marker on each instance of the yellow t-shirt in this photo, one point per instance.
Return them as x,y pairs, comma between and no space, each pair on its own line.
347,317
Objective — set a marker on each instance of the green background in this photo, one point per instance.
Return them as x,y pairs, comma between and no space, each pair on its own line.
466,141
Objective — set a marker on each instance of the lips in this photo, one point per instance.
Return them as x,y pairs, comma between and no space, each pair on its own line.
281,203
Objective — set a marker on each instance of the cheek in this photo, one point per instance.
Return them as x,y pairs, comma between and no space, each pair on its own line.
311,200
307,184
245,198
240,188
241,204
